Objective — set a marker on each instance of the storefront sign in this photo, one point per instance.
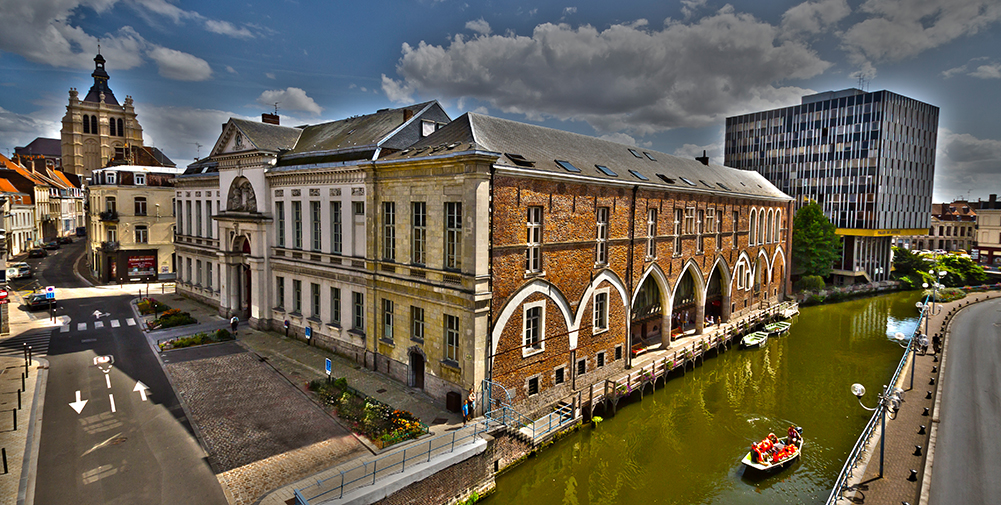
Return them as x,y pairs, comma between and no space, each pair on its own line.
142,266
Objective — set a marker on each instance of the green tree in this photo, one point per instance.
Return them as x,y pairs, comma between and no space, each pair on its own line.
962,271
906,263
815,246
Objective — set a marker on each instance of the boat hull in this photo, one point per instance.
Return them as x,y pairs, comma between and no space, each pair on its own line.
765,467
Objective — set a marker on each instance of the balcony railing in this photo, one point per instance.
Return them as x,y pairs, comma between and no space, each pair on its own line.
108,215
109,246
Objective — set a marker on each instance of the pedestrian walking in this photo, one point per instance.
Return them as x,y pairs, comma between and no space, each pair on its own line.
936,343
923,342
468,406
232,324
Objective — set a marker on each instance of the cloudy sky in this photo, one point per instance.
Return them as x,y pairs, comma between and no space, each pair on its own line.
659,74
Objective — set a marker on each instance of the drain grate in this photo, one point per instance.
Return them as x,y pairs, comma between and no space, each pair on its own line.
380,390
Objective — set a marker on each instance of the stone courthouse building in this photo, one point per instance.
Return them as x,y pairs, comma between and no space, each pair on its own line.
482,249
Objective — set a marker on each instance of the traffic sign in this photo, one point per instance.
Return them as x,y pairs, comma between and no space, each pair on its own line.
309,332
50,292
326,365
3,294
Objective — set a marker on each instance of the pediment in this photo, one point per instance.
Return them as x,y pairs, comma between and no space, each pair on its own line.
232,140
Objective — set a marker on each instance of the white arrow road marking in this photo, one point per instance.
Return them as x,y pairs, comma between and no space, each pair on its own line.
130,321
107,379
81,326
64,328
78,404
112,397
114,323
141,388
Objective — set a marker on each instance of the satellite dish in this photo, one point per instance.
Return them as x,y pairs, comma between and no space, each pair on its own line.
858,390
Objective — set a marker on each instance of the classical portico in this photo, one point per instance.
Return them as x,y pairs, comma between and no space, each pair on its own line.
242,258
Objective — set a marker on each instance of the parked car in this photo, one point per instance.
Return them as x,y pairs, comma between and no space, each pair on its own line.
37,253
21,270
64,240
51,245
39,301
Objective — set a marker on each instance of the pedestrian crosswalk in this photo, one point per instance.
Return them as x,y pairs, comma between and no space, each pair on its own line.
38,339
97,325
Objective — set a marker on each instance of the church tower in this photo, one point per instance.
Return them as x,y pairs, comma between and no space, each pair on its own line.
98,129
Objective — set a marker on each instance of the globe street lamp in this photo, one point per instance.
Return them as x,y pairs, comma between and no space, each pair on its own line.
886,399
900,338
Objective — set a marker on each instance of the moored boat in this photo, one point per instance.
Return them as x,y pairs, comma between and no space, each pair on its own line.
772,452
755,339
777,328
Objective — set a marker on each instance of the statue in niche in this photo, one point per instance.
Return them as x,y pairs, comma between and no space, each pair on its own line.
241,196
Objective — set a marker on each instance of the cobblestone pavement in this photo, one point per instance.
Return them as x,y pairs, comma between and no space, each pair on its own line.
15,442
902,432
260,432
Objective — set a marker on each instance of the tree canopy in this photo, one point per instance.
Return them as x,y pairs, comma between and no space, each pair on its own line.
815,246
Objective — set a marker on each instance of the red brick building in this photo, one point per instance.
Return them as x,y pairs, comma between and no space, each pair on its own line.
596,247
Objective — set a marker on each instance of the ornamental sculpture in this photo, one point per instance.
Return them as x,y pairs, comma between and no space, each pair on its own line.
241,196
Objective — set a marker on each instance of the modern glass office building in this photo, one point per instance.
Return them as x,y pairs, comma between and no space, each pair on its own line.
867,158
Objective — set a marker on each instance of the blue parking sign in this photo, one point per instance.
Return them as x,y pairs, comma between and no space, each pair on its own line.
309,332
326,365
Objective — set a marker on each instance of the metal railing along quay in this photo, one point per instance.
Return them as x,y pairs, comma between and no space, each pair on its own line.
861,446
367,473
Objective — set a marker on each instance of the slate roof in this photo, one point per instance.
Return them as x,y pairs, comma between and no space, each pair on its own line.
42,146
540,147
268,137
354,132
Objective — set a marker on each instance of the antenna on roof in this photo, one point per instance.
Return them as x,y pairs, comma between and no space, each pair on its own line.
276,108
198,150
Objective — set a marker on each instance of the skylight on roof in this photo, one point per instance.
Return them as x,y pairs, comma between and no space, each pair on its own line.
520,160
638,175
607,171
649,156
690,183
666,178
636,154
566,165
706,184
720,184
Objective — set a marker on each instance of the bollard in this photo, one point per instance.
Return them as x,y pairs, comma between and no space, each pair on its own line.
928,396
913,476
934,358
925,413
931,381
22,382
921,430
917,450
18,399
934,369
4,451
14,411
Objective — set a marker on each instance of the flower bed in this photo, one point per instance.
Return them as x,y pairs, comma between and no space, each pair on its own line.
172,318
380,423
221,335
151,306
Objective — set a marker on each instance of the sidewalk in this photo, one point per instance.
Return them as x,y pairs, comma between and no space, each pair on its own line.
903,432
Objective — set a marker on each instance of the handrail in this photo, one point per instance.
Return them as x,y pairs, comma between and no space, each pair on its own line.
853,456
370,471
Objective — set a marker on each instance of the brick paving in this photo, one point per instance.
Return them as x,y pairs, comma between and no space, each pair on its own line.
902,432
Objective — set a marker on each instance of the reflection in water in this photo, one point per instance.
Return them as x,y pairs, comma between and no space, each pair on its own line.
683,443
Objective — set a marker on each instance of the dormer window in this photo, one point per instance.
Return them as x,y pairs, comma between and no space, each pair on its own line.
140,179
427,128
110,178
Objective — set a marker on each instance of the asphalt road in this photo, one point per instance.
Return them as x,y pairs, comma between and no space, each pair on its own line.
967,463
121,447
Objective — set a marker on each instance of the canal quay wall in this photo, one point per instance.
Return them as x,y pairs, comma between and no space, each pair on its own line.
904,432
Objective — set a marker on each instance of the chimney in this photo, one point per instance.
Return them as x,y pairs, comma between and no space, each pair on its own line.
270,119
407,114
703,159
993,199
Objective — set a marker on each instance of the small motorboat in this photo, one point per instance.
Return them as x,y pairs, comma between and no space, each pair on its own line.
773,452
778,328
755,339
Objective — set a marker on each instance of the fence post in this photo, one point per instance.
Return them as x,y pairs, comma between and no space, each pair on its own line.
403,465
375,470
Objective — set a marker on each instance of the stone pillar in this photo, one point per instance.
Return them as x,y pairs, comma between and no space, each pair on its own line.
665,327
700,315
259,302
724,309
225,285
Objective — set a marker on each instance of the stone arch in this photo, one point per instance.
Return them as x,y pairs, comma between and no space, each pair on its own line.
604,275
240,244
761,226
647,318
720,311
515,301
769,238
659,277
778,225
738,281
778,255
241,196
698,286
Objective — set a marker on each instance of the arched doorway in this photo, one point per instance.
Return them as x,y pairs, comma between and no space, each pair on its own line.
717,302
416,375
685,309
242,275
760,272
648,314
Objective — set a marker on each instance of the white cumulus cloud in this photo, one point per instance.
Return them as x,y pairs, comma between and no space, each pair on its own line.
965,162
814,17
180,66
227,28
479,26
991,71
289,99
627,77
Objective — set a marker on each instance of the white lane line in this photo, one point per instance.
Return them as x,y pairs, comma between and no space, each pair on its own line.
112,397
114,323
64,328
130,322
107,379
88,340
81,327
98,324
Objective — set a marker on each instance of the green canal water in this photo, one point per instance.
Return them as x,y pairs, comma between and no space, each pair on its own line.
683,444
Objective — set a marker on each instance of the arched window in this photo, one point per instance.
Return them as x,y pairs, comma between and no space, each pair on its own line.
93,125
778,226
752,226
768,231
761,226
111,127
86,123
121,131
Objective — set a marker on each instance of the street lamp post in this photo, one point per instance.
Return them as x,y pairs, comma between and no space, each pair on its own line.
885,399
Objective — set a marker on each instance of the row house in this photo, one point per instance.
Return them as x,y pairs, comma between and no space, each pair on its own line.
480,250
57,197
131,223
